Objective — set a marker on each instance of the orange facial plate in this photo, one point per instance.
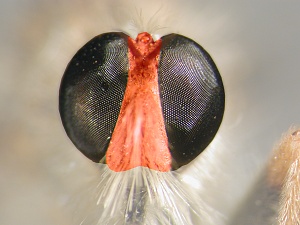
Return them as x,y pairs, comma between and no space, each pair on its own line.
139,137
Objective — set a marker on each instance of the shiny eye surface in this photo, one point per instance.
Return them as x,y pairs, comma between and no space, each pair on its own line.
164,98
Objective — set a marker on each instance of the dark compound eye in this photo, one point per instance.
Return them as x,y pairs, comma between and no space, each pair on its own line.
141,103
192,96
91,93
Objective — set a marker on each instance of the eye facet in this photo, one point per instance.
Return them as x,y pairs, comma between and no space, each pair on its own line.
129,103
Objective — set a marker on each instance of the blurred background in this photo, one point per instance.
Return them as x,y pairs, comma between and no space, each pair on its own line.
43,178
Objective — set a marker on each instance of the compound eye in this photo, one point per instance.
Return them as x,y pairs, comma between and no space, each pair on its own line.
91,93
192,96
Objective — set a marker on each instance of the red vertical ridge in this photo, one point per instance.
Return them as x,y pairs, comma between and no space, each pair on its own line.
139,137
